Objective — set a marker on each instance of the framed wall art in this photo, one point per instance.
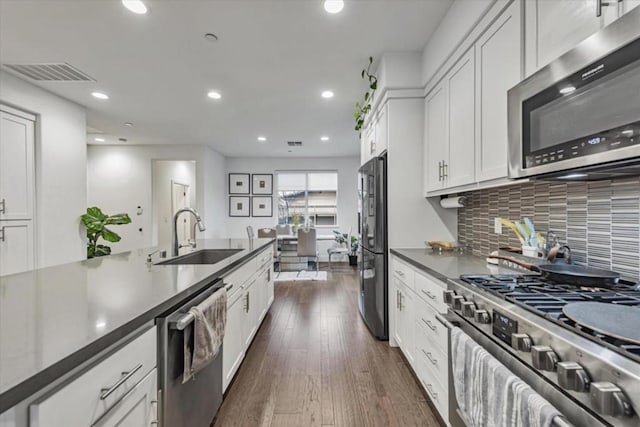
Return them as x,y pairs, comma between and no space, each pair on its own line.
239,206
239,183
261,206
262,183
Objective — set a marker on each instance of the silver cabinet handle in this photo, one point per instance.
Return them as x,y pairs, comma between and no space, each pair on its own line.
400,273
430,357
106,392
397,300
433,393
445,172
429,294
429,324
2,234
600,4
439,171
3,206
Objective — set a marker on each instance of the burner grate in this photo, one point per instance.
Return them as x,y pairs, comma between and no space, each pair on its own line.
546,298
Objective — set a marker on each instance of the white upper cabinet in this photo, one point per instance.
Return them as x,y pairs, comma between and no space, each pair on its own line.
436,139
498,68
16,167
375,136
382,131
553,27
459,167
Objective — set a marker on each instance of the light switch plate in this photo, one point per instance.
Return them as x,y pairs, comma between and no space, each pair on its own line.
497,226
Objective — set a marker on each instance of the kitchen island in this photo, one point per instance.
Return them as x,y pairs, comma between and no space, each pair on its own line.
55,319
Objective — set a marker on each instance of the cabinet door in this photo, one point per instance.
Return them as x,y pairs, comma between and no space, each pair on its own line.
397,314
436,142
250,319
16,247
407,310
233,345
137,409
270,288
554,27
498,68
16,167
382,135
460,166
627,5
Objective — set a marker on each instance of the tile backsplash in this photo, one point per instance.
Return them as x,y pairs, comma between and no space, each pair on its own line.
599,220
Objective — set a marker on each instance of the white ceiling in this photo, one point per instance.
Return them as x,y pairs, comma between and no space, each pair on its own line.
272,61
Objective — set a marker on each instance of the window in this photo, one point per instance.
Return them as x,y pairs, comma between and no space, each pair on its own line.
308,198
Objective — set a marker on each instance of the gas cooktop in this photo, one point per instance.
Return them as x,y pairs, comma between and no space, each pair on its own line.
546,298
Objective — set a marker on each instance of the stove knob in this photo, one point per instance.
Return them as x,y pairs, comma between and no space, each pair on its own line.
482,316
521,342
543,358
608,399
572,376
468,308
448,296
457,302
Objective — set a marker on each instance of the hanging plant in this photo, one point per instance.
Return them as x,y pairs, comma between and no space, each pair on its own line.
362,109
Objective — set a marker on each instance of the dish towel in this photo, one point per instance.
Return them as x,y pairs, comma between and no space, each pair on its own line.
488,394
206,333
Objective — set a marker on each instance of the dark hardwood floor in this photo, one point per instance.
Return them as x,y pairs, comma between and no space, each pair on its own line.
314,363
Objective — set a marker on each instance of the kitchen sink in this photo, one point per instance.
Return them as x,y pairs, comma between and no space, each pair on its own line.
204,256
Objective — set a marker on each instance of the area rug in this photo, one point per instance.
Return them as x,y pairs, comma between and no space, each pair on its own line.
293,276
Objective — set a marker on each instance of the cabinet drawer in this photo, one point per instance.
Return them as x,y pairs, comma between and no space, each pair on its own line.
403,272
436,332
240,276
437,360
264,258
438,393
84,400
431,291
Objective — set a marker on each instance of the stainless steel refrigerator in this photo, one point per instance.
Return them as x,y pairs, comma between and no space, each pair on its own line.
372,259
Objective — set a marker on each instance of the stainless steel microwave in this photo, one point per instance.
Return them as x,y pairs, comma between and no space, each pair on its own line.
579,117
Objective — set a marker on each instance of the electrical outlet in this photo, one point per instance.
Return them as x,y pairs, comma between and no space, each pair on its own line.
497,226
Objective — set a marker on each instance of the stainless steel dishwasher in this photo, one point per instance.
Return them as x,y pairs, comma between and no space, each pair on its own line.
196,402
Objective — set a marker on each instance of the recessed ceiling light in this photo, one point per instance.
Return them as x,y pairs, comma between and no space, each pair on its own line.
135,6
627,132
129,124
99,139
327,94
214,95
262,139
333,6
99,95
567,89
324,138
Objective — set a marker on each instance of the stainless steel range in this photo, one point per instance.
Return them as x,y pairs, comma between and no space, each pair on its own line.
590,375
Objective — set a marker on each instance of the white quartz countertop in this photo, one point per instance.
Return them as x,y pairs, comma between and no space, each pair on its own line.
55,318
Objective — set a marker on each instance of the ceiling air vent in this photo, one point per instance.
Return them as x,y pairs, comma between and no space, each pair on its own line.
61,72
294,143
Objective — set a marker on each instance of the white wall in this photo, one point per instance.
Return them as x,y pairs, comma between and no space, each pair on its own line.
120,179
460,19
61,176
164,174
347,168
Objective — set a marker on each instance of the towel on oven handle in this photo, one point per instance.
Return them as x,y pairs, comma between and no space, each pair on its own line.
488,394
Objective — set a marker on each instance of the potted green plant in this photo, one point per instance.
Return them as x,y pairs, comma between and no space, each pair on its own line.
353,254
96,221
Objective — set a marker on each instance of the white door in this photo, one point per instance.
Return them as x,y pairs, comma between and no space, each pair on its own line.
16,166
436,150
460,166
553,27
180,199
16,247
498,69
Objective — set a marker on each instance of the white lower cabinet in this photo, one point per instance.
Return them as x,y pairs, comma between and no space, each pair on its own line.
248,302
120,390
422,338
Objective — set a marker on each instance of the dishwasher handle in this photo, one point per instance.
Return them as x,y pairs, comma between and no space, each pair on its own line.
188,318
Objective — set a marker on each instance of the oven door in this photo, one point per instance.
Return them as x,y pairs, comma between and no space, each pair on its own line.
574,414
581,110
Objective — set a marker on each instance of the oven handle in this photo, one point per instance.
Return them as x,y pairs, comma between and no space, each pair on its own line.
558,421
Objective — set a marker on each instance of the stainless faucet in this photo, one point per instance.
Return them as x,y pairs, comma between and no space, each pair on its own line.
176,245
